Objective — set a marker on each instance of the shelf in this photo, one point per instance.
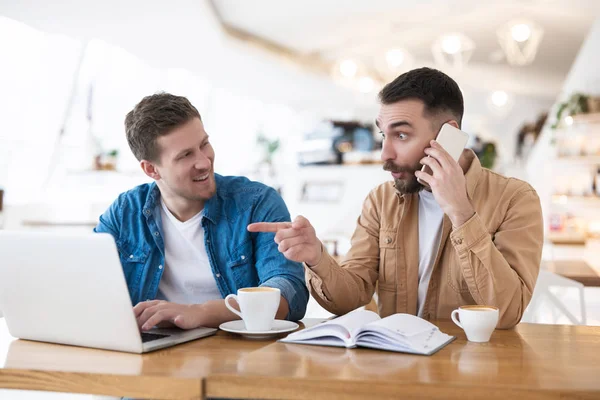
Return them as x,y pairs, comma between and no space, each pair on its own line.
104,172
578,200
593,118
579,159
567,238
576,269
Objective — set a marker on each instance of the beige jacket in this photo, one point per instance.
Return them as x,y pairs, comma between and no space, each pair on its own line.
492,259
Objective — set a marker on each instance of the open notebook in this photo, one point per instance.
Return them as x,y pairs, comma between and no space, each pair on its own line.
361,328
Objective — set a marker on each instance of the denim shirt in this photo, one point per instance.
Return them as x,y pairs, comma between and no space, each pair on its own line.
237,257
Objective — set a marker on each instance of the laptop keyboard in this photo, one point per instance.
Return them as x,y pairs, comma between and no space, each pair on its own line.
148,337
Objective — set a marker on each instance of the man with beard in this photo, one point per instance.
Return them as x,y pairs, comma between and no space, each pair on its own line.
472,237
182,239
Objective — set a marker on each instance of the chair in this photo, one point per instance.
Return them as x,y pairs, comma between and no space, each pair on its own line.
543,296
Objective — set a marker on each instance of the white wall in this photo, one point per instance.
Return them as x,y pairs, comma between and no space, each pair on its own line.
186,34
584,76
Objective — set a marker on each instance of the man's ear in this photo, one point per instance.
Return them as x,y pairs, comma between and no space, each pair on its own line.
453,123
150,169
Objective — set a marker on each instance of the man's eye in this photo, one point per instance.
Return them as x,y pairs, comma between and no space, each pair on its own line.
382,135
402,136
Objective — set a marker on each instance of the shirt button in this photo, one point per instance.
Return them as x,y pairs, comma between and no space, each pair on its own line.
147,212
388,240
218,275
156,233
160,267
131,256
243,257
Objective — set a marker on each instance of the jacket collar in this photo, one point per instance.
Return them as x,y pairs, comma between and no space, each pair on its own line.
212,206
472,172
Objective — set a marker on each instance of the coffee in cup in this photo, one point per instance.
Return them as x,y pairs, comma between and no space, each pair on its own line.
478,322
258,307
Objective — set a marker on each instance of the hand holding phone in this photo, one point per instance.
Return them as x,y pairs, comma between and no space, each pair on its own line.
453,140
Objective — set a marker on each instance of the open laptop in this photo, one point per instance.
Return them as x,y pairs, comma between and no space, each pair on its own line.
70,289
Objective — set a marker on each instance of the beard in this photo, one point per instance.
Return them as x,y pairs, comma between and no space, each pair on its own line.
408,185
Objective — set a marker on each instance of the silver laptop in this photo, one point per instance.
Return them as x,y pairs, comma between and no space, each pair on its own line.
70,289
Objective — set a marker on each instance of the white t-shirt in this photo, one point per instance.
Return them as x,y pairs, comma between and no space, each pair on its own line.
430,232
187,278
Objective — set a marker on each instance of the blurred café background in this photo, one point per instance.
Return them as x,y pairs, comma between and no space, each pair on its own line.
288,93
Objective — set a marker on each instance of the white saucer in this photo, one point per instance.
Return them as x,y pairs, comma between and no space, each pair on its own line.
279,327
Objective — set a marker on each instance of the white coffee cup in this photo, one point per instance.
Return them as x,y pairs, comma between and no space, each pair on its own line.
478,322
258,307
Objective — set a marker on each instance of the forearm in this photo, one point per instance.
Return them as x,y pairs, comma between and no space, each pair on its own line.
213,313
490,277
339,290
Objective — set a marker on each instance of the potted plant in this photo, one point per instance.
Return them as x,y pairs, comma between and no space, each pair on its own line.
107,161
577,103
593,103
269,148
266,169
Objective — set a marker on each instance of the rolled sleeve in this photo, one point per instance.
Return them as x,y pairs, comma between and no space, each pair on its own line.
273,269
294,291
468,234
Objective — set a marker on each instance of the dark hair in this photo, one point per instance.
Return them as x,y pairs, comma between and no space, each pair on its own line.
154,116
436,90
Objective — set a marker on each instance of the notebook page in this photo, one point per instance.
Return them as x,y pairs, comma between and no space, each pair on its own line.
403,324
342,327
423,343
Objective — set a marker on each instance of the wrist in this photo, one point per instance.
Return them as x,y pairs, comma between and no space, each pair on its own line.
317,259
462,216
202,314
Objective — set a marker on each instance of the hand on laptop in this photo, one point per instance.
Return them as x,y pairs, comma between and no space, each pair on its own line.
159,312
297,240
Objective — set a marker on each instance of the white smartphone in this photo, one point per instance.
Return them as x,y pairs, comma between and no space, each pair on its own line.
453,140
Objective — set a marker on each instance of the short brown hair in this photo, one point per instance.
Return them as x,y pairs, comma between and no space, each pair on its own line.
438,92
154,116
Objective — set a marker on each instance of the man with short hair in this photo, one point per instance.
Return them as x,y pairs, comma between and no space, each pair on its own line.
472,237
182,239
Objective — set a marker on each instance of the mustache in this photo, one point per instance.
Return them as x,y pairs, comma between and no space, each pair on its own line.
391,167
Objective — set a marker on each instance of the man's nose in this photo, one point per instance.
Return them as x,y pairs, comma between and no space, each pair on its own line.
202,162
387,151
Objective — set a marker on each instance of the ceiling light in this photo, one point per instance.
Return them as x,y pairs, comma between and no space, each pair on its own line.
453,50
349,72
520,32
392,62
499,98
366,84
451,44
348,68
395,58
520,40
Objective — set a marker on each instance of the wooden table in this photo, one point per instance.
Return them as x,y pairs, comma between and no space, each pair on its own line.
577,270
531,361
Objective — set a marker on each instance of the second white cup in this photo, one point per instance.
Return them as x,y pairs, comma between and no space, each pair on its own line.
258,307
478,322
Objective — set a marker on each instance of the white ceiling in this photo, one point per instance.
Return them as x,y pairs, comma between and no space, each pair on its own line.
365,29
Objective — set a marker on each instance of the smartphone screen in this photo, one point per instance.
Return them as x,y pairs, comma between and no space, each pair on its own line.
453,140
